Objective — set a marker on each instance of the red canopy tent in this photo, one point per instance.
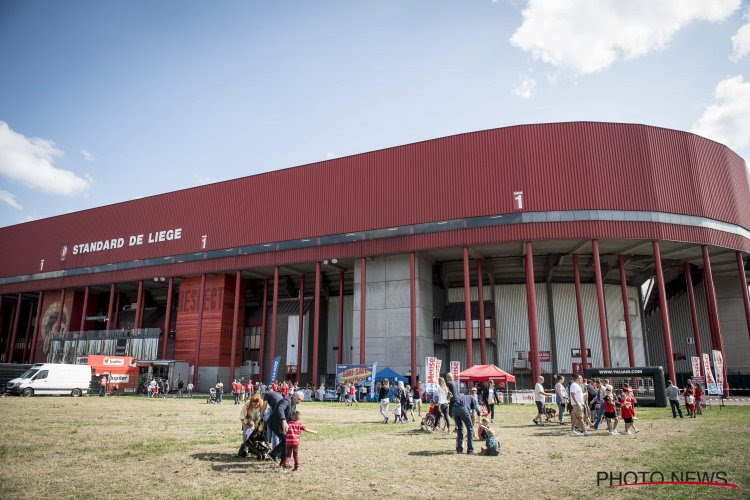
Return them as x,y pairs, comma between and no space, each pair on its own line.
485,373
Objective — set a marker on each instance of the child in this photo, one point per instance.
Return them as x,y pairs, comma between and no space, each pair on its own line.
489,439
397,412
292,440
690,402
610,412
250,428
627,410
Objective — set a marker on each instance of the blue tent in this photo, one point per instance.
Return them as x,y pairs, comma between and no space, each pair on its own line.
388,373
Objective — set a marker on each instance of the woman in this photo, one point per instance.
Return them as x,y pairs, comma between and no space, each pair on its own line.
698,398
688,388
488,396
443,400
252,411
385,390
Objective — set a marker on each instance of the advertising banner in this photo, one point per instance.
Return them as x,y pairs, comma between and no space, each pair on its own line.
355,374
455,369
711,387
719,365
438,367
275,369
696,361
430,365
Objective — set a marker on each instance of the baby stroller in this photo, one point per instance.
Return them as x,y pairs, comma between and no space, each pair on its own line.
255,444
211,399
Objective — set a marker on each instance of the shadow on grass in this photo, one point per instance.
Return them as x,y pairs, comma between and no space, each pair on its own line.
231,463
431,453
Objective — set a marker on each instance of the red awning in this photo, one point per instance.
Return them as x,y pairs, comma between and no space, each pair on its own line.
484,373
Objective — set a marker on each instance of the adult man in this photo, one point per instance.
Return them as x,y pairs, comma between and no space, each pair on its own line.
561,398
417,396
539,396
281,412
190,387
673,394
599,402
459,408
180,386
219,391
576,399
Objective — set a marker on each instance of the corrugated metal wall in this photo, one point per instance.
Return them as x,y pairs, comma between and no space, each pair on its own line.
456,351
333,331
682,329
653,168
457,294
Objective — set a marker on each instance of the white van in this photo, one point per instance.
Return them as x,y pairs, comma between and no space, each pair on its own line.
48,378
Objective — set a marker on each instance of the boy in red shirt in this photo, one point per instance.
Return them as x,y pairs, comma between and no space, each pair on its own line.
292,439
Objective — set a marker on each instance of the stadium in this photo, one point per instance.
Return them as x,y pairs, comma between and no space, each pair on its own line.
542,249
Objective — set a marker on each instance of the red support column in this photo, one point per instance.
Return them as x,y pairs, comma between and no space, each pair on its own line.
201,300
316,325
602,307
26,338
362,308
58,323
693,315
536,367
85,306
34,338
138,302
579,310
235,323
300,337
626,309
274,314
117,310
168,318
15,329
111,303
467,311
341,318
261,354
413,315
482,332
713,313
743,287
666,329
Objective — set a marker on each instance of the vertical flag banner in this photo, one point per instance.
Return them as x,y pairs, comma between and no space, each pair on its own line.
455,369
719,365
430,364
710,382
372,381
275,369
696,361
438,365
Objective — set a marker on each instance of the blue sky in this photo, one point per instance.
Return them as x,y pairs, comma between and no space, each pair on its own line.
108,101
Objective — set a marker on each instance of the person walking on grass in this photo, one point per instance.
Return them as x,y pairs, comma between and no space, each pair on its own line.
627,410
488,398
610,412
673,394
294,429
384,397
561,398
281,413
576,399
539,396
180,387
443,401
698,399
353,395
190,388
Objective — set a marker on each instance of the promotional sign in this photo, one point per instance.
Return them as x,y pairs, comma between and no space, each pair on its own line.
719,365
355,374
544,356
275,369
696,366
711,387
430,365
438,367
455,369
374,374
524,398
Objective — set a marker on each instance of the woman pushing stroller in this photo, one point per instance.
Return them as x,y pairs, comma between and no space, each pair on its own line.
251,417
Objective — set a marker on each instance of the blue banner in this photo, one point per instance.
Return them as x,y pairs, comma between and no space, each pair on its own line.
275,369
372,380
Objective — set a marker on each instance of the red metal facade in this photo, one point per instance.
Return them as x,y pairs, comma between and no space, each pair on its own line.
566,166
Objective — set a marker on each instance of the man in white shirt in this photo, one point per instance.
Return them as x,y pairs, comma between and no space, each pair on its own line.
576,400
539,396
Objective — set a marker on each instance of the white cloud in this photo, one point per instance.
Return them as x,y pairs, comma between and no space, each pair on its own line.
30,161
525,86
585,36
741,41
9,199
727,119
87,155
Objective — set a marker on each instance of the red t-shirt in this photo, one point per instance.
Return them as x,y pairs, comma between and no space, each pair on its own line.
627,409
609,406
352,389
249,387
284,390
293,432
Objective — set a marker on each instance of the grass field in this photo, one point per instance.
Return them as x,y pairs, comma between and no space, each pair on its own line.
134,447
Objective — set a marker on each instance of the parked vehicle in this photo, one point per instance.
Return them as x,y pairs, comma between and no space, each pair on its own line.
49,378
